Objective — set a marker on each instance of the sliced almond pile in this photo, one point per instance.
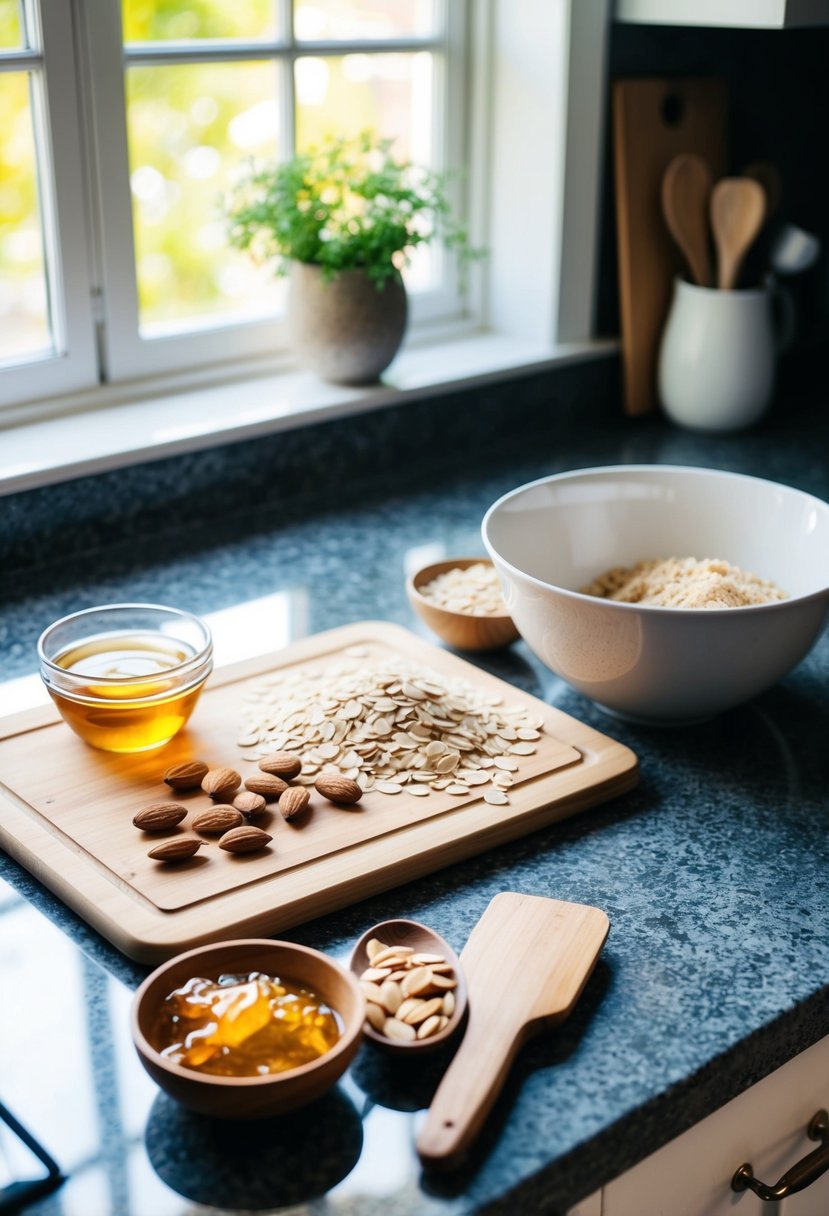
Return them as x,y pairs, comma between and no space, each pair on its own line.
389,726
409,994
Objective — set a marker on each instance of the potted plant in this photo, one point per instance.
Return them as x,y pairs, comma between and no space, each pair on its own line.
343,218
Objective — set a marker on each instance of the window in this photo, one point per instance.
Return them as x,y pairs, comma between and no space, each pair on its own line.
113,250
109,137
46,329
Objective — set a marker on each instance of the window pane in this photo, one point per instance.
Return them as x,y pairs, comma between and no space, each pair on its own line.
357,19
10,25
190,127
24,309
157,21
389,94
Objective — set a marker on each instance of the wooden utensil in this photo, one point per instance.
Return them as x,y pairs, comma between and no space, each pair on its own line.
758,260
654,120
526,963
686,193
738,208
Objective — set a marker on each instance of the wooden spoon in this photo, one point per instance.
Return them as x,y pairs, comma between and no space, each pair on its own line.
422,940
686,190
738,208
526,963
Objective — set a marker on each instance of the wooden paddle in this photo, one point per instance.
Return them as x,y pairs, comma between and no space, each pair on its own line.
526,963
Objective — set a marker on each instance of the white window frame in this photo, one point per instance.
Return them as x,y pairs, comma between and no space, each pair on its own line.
536,106
72,363
127,353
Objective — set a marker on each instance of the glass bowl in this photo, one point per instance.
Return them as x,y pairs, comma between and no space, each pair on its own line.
126,677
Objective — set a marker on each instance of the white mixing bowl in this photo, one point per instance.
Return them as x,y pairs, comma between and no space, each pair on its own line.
647,663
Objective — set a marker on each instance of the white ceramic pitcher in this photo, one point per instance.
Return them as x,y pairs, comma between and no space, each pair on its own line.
718,355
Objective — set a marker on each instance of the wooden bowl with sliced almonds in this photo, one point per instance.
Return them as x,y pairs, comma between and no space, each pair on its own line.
413,984
460,600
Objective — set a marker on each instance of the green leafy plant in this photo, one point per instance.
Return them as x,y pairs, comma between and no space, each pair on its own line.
347,205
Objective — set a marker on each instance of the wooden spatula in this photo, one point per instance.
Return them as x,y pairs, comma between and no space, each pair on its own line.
526,963
738,208
686,191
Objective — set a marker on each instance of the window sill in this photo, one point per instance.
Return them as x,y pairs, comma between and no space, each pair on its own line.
138,430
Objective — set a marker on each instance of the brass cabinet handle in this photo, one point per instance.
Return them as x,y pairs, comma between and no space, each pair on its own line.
801,1175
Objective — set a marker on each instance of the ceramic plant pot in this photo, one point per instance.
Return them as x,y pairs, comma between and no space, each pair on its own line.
345,329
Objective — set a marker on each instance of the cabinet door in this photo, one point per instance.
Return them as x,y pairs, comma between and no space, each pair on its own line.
766,1126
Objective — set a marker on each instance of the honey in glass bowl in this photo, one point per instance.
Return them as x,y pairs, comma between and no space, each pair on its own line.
126,677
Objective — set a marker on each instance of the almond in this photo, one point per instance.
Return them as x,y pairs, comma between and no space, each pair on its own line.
159,816
269,786
401,1031
218,819
246,839
293,800
342,790
249,804
282,764
431,1026
186,776
178,849
221,783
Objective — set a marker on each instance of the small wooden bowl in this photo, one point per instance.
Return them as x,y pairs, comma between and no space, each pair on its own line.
251,1097
463,630
420,938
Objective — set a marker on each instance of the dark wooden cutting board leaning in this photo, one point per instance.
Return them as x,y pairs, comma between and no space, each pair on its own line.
654,120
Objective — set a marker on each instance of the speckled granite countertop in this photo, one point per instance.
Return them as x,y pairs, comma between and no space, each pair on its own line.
714,871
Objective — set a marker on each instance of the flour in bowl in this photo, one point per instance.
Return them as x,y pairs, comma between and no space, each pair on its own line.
684,582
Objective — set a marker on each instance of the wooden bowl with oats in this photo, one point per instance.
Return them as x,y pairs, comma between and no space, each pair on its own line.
460,600
413,984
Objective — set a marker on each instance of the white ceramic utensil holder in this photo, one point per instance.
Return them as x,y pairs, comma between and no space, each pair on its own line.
718,355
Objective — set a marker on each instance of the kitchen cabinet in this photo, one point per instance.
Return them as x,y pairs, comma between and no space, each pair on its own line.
735,14
766,1126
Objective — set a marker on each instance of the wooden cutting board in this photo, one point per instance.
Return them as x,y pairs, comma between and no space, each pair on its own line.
654,120
66,810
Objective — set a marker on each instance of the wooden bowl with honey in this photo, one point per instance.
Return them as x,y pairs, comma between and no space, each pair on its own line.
247,1029
460,600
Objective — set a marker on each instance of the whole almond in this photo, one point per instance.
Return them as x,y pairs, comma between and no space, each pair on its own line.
178,849
249,804
269,786
221,783
282,764
339,789
218,819
293,800
246,839
186,776
159,816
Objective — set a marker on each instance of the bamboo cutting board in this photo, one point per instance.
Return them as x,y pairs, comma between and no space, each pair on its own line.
66,811
654,120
